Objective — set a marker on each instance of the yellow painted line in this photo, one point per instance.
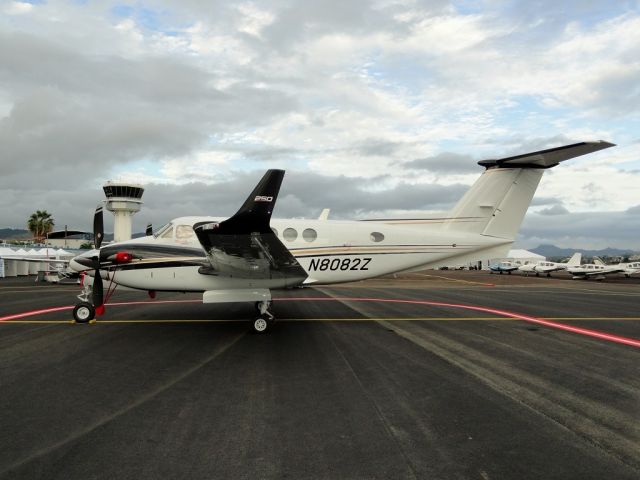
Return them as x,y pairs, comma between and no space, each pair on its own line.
453,279
363,319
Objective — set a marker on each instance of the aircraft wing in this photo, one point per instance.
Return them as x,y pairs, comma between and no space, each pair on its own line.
604,272
244,246
547,158
38,260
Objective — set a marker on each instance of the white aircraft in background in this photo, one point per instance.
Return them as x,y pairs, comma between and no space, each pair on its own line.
504,266
630,268
244,257
597,270
546,268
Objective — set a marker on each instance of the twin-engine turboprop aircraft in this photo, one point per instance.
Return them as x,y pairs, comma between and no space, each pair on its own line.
244,257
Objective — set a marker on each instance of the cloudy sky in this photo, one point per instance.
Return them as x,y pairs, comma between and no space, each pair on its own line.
374,108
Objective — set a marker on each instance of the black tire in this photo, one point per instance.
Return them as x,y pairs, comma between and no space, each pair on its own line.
84,312
260,325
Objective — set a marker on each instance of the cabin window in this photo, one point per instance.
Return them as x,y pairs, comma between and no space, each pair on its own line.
290,234
309,234
376,237
275,231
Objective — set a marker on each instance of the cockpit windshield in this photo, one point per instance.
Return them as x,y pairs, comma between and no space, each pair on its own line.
162,232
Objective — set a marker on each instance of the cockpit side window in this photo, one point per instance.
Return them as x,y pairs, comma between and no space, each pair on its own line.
184,233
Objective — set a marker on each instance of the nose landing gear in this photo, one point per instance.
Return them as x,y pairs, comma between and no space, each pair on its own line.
84,311
265,318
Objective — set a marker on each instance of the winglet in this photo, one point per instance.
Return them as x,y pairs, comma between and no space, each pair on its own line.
255,213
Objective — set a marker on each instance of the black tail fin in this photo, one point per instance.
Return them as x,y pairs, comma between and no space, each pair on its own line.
255,213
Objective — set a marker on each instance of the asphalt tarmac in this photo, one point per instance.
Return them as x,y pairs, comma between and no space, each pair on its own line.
352,382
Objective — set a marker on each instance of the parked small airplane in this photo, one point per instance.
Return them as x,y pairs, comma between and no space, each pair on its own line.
548,267
244,257
597,270
504,266
631,268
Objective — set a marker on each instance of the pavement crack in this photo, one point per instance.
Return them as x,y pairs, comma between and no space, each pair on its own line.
392,432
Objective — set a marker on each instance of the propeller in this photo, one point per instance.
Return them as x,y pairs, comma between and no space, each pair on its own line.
98,235
98,227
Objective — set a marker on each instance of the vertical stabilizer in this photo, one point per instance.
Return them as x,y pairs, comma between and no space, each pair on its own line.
496,204
575,260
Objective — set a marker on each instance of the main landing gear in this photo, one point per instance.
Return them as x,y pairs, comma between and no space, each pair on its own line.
265,318
84,311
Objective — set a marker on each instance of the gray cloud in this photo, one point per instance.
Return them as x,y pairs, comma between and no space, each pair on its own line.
555,210
302,195
445,162
95,112
580,230
633,210
540,201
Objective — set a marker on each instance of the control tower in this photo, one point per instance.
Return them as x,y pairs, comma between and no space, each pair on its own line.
123,200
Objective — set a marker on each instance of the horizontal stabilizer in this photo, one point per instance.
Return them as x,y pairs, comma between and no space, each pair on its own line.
546,158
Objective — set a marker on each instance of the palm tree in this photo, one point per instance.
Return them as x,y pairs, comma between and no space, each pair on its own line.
40,223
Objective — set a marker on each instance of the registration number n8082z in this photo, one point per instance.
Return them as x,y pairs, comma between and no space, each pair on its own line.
322,264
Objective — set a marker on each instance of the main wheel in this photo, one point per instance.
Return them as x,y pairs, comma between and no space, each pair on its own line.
260,325
84,312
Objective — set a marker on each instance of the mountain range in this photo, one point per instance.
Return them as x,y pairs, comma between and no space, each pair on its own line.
551,251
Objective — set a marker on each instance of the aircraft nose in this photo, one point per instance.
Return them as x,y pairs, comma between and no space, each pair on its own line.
84,261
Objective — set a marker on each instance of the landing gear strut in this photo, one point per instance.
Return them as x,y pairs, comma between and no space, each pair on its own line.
265,318
84,311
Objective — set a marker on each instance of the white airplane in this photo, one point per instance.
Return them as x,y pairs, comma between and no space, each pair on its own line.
630,268
546,268
244,257
597,270
504,266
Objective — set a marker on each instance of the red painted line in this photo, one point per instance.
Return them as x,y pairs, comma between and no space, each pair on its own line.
504,313
43,311
34,312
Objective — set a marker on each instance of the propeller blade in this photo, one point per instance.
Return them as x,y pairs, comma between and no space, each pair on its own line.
98,291
149,230
98,227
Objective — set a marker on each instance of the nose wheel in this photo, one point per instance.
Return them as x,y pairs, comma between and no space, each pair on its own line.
84,312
